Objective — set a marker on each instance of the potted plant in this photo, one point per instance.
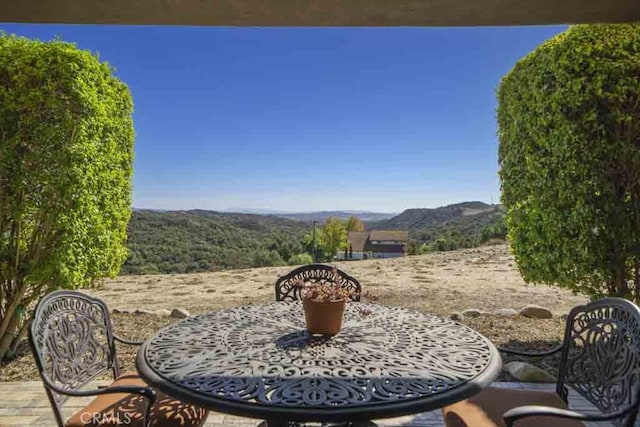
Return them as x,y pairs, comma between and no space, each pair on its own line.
324,304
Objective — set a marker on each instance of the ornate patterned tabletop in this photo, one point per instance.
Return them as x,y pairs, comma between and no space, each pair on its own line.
259,361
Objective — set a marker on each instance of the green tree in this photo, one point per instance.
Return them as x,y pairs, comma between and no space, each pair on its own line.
497,230
300,259
413,247
569,130
425,249
66,150
333,236
266,258
354,223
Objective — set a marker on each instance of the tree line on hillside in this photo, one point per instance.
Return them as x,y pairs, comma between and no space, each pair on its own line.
453,238
197,241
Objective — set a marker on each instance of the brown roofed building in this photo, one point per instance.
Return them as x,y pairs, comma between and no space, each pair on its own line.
375,244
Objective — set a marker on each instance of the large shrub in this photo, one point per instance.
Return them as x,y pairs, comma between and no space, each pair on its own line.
569,130
66,148
300,259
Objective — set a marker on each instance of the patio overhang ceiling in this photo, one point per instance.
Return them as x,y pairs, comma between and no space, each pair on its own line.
320,12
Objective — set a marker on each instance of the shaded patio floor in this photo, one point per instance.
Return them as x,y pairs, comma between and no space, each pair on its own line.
25,404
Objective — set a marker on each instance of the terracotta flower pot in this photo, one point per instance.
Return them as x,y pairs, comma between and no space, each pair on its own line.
323,318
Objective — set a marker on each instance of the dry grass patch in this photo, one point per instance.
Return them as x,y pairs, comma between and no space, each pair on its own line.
440,283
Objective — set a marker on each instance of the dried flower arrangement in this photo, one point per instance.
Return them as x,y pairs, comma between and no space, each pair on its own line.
332,291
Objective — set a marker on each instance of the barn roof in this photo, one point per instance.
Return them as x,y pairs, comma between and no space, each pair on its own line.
389,235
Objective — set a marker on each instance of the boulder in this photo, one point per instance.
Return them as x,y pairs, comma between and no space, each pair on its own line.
536,312
472,312
507,312
526,372
162,312
456,316
179,313
141,311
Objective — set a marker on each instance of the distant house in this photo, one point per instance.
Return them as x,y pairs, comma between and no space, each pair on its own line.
375,244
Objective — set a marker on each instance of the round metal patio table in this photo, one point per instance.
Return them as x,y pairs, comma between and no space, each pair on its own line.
259,361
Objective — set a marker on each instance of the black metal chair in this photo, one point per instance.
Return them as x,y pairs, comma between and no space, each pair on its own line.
72,341
600,359
316,274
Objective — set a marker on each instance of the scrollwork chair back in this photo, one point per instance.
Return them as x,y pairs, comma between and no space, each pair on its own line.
601,356
317,274
72,341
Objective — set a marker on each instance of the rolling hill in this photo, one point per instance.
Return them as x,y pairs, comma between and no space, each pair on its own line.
199,240
468,219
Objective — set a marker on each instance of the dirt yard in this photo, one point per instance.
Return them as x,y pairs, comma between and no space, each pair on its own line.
482,278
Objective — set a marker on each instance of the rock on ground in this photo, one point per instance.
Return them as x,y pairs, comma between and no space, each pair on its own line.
536,312
179,313
526,372
472,312
458,317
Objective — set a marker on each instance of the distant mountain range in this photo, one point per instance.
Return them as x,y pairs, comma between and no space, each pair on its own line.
323,215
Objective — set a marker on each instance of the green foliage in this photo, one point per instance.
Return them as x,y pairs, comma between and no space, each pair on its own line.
458,234
497,230
266,258
461,224
450,241
317,247
425,249
333,236
412,247
354,223
65,172
569,120
195,241
300,259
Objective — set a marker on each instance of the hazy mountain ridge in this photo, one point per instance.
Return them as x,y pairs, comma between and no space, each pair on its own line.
321,216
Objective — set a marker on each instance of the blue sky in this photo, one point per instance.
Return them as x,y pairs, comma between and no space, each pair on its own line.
309,119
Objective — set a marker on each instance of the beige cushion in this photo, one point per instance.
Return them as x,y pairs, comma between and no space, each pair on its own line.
487,408
128,409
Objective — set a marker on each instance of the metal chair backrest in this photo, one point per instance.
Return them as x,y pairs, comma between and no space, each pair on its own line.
601,356
316,274
72,342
